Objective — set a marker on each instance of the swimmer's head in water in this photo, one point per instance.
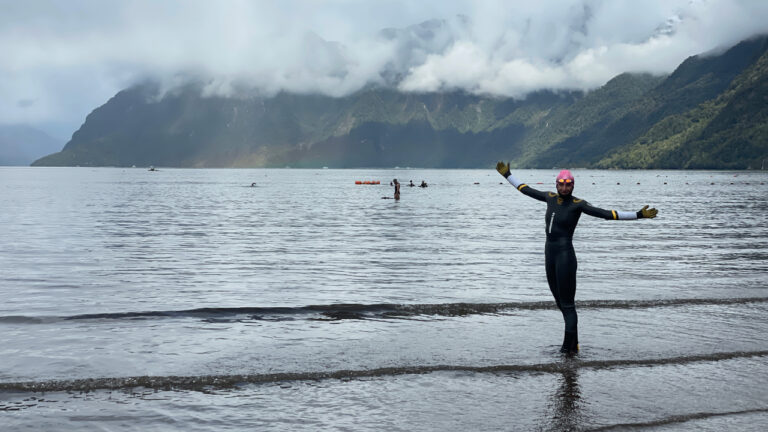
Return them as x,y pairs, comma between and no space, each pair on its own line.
564,182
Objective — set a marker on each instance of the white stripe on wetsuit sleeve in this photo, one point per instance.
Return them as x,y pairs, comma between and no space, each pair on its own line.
625,215
513,181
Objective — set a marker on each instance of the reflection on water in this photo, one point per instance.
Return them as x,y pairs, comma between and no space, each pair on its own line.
564,411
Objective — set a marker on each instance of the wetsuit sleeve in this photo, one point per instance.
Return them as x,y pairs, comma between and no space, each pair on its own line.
607,214
527,190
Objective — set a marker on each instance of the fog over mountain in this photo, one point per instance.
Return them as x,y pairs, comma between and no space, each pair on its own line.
21,145
63,59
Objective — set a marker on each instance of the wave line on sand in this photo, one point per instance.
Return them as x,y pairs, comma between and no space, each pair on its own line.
676,419
223,381
368,311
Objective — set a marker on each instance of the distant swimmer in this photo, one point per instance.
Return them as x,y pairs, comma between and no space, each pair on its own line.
562,215
423,184
397,189
411,184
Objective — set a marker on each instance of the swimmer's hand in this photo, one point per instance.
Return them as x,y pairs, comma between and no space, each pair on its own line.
647,213
503,169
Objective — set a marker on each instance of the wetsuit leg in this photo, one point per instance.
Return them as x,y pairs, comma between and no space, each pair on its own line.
550,255
566,283
561,268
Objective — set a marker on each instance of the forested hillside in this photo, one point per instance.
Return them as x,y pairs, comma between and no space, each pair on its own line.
709,113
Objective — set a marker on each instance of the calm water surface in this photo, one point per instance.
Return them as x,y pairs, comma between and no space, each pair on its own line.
186,299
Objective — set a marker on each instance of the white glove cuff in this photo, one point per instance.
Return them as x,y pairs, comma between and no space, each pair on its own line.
513,181
625,215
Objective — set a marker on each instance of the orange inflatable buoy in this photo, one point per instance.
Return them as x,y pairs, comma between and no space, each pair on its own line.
358,182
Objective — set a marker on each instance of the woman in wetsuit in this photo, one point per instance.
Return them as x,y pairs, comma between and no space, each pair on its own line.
563,212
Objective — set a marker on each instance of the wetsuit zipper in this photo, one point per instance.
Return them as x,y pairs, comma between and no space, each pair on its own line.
551,221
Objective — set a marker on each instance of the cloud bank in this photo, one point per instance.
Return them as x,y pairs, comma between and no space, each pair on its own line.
63,59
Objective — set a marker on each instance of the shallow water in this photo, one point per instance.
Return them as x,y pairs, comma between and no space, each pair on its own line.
186,299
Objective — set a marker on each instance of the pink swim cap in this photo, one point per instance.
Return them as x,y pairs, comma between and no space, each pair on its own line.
565,175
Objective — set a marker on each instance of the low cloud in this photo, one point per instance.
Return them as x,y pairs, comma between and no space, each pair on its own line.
71,57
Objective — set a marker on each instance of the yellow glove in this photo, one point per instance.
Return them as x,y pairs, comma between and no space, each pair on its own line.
503,169
648,213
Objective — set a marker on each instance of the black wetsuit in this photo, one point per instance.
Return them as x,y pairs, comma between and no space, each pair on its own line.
563,213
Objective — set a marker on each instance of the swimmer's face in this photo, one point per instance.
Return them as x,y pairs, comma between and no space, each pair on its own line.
564,188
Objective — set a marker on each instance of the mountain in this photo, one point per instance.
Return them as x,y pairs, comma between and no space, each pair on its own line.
727,129
709,113
21,144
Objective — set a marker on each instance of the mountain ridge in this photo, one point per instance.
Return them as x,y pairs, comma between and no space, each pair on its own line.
708,113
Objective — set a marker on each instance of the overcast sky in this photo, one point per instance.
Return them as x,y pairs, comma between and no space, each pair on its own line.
62,59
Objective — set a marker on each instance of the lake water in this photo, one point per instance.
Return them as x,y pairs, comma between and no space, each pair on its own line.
184,299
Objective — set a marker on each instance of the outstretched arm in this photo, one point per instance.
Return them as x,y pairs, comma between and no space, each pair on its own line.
645,212
503,169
